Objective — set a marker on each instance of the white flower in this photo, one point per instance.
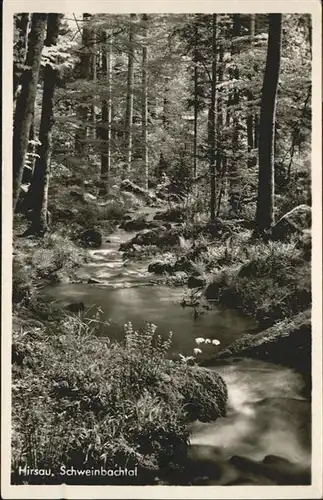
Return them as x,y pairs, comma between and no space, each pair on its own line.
207,341
215,342
197,351
199,340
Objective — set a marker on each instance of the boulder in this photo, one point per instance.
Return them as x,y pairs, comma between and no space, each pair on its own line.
160,267
196,282
280,470
76,307
138,224
293,222
93,281
182,265
287,342
171,215
130,187
159,237
91,238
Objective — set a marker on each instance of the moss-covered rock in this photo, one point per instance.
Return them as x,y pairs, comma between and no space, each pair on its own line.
138,224
91,238
287,342
131,187
160,237
160,267
200,404
293,222
171,215
196,282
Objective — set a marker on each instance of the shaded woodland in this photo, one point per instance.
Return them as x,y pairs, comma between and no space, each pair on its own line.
186,139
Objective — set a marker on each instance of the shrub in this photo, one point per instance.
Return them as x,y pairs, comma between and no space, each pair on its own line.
53,257
84,401
274,282
55,253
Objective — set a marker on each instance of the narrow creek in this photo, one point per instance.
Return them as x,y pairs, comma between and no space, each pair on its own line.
265,437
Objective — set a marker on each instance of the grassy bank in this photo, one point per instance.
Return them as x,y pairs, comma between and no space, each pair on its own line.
267,281
82,401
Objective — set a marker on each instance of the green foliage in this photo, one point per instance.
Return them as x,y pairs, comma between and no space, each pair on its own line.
52,258
177,45
274,282
81,400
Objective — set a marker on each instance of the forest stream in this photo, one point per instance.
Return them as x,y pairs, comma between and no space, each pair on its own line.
193,131
265,437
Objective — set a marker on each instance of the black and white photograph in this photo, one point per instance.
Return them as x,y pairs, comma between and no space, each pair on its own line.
161,187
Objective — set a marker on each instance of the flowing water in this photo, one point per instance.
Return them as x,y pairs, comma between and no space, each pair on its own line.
265,437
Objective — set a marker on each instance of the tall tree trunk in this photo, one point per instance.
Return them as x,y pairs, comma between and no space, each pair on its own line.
163,163
195,104
40,181
20,48
94,60
130,84
265,201
26,100
219,126
105,129
235,98
212,120
85,74
145,103
250,117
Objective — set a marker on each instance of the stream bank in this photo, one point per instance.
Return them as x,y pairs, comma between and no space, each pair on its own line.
256,442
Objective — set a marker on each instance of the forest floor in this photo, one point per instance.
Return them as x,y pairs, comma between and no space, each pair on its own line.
53,351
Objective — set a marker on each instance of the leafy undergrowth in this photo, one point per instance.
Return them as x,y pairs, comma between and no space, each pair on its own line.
76,205
53,258
101,214
268,281
83,401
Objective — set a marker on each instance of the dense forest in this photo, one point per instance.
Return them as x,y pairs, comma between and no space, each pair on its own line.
179,147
